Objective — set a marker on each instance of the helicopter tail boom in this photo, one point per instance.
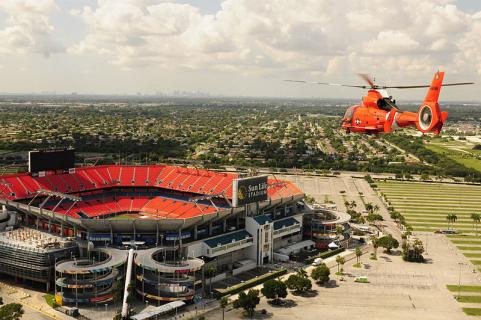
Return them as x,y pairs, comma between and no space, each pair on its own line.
429,117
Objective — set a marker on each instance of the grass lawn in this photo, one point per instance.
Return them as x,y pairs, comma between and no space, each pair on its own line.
472,255
439,220
465,242
440,225
472,311
469,160
469,248
469,299
464,288
122,217
463,236
50,299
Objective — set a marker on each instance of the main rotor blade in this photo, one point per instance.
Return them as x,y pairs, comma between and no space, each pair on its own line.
426,86
367,78
328,84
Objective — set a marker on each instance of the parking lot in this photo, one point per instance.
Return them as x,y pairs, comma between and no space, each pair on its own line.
397,289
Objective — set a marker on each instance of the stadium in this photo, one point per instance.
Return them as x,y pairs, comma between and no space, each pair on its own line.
178,220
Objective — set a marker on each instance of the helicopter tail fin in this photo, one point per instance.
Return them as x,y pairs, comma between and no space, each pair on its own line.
430,118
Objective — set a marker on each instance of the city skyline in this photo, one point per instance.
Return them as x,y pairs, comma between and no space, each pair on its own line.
237,48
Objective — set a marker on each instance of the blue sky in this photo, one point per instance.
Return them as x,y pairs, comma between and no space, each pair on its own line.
242,47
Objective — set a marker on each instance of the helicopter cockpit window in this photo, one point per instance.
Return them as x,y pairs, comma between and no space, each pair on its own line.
349,112
386,104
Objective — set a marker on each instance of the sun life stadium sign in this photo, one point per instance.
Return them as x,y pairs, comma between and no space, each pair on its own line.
249,190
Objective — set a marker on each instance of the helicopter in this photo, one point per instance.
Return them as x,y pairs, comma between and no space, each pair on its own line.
378,112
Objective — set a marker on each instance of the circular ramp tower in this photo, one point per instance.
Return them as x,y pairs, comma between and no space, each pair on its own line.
160,276
87,281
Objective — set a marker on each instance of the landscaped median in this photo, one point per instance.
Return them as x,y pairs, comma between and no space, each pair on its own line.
324,255
249,284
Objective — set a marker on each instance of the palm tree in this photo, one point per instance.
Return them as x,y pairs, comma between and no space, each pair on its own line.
454,217
223,304
375,244
338,260
358,254
210,273
353,204
448,218
339,230
476,219
369,207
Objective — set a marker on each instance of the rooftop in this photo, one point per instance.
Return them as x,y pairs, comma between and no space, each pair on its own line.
227,238
33,239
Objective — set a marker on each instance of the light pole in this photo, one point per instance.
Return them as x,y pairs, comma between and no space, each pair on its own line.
427,244
459,279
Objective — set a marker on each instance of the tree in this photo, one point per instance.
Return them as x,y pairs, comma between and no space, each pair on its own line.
395,215
299,282
11,311
248,301
358,254
372,218
224,302
353,204
339,230
117,292
131,294
274,290
350,205
340,262
309,199
476,219
321,273
369,207
375,245
413,250
451,219
388,242
210,273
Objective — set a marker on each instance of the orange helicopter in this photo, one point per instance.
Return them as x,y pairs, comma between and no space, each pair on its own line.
378,112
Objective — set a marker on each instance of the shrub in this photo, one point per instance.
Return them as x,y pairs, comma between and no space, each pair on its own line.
324,255
274,290
321,274
249,284
248,301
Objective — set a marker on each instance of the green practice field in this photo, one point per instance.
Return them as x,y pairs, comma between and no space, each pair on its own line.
426,206
457,151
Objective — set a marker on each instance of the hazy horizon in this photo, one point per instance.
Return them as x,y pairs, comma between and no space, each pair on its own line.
238,48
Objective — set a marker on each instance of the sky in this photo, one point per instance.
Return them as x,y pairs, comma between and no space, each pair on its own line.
238,47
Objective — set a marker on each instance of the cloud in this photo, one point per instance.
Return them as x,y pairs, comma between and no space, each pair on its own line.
309,37
28,28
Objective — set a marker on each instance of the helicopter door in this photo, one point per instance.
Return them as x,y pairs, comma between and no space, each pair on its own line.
349,113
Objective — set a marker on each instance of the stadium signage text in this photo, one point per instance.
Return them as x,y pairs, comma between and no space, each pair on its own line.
249,190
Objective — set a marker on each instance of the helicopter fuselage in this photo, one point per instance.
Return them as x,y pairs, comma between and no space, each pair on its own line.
371,115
